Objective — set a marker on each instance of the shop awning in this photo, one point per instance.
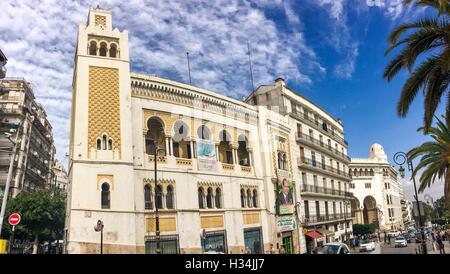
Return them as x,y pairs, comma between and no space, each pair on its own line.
325,232
314,234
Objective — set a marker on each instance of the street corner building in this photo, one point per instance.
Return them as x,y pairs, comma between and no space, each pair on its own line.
232,176
377,190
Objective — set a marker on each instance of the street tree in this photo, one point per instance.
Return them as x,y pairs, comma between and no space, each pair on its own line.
426,40
42,212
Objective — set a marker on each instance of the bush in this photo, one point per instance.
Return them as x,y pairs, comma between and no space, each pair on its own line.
359,229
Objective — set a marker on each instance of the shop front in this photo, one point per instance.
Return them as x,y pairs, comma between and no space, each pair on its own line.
285,228
313,238
253,240
327,234
168,244
214,242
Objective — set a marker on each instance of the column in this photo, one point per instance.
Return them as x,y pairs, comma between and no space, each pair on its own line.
191,147
250,157
171,145
234,148
167,145
217,152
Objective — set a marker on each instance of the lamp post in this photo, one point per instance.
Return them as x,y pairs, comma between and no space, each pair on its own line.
379,212
157,132
400,158
9,178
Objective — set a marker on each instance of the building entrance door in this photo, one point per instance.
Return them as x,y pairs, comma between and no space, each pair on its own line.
287,242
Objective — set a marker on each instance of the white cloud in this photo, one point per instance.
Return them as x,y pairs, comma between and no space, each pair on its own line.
336,7
39,39
345,70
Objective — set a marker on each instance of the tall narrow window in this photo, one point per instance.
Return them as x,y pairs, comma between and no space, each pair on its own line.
148,197
99,144
249,198
159,197
109,144
306,209
209,198
93,48
218,198
242,198
113,51
201,194
103,49
104,142
255,198
106,202
169,197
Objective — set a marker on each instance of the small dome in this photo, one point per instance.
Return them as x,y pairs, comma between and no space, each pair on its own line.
377,152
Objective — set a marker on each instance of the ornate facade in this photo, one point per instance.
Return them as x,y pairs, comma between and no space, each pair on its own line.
218,160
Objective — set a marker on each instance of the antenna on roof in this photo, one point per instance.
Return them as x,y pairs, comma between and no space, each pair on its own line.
250,64
189,68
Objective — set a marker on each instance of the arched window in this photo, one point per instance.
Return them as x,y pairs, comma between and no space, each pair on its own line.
209,198
99,144
155,135
225,152
181,146
93,48
284,161
109,144
159,196
201,195
113,51
279,160
103,49
255,198
371,172
104,142
218,198
148,197
243,154
169,197
105,197
249,198
203,132
242,198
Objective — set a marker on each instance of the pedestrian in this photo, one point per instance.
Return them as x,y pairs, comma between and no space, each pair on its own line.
385,237
433,244
282,251
248,250
440,244
315,250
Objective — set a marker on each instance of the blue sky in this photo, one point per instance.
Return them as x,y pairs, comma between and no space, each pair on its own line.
330,51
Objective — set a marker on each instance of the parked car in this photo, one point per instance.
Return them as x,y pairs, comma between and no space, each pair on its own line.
367,245
335,248
393,233
407,237
400,242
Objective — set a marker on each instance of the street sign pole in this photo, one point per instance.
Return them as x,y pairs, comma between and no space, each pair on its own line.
11,239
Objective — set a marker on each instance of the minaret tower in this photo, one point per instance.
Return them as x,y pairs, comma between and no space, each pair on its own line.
101,161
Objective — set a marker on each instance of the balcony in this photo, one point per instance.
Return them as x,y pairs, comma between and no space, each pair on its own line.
160,159
301,137
311,122
324,190
323,168
310,220
247,169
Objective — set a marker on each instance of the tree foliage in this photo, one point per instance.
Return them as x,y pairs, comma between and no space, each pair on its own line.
361,229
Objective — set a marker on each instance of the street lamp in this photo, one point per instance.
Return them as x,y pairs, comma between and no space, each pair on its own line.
379,213
400,158
10,171
157,134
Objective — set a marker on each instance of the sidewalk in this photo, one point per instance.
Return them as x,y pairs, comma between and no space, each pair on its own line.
446,248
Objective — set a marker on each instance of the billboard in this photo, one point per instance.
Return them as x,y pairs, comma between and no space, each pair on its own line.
285,193
206,155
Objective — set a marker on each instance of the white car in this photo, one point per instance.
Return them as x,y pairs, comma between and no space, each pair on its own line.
400,241
367,246
335,248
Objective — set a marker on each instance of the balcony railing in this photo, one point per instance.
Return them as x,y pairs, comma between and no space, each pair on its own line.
303,161
325,190
183,161
161,159
318,143
229,167
313,219
318,126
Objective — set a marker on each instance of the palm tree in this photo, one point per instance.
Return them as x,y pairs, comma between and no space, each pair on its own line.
429,37
435,158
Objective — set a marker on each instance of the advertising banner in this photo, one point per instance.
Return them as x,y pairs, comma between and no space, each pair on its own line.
285,224
285,193
206,155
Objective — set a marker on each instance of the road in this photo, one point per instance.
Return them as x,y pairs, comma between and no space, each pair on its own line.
412,248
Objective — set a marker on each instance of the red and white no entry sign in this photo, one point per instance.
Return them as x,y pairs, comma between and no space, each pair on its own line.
14,219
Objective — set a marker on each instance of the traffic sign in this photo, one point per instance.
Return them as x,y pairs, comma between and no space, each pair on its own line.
14,219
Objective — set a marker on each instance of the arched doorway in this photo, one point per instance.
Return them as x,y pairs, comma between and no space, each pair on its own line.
370,210
356,211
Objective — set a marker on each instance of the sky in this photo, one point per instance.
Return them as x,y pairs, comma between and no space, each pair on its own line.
330,51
